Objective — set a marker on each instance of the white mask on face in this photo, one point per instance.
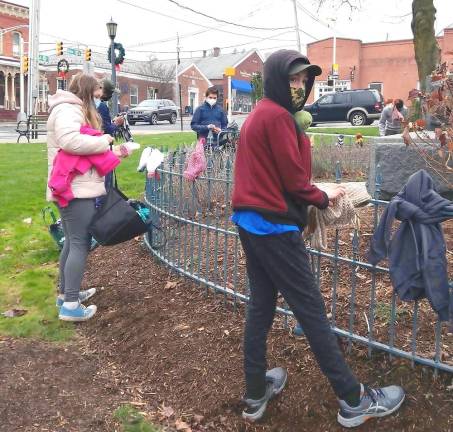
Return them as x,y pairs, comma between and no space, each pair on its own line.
97,102
211,102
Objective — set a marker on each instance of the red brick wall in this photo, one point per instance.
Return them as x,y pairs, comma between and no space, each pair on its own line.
391,62
7,21
124,84
244,71
192,78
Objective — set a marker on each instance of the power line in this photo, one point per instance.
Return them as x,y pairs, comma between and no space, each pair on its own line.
224,21
183,20
226,47
198,32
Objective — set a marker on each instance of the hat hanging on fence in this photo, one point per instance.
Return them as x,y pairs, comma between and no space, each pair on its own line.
355,191
155,158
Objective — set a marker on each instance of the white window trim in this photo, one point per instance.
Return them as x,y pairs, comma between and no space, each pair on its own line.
65,85
377,82
18,46
196,99
135,95
153,90
1,41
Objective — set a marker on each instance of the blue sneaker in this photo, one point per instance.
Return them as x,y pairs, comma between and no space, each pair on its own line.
379,402
83,297
80,313
276,380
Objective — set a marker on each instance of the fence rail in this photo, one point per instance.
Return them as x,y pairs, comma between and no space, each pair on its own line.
203,244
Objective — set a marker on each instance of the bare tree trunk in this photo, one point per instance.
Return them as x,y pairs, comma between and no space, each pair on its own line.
427,51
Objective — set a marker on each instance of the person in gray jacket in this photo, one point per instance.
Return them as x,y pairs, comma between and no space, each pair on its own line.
392,117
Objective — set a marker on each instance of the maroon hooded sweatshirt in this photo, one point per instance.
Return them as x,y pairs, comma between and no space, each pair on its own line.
272,173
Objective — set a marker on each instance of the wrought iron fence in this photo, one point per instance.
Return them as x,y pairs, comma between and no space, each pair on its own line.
202,244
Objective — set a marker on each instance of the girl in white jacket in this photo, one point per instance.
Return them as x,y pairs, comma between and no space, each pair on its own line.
69,110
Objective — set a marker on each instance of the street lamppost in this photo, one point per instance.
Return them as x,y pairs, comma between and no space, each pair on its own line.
111,30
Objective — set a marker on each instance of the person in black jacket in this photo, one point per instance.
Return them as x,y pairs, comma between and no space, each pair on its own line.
108,126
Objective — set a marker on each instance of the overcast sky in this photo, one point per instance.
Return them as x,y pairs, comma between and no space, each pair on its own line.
144,31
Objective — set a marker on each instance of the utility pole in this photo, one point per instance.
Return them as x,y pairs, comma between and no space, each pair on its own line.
178,86
33,74
22,115
296,26
334,58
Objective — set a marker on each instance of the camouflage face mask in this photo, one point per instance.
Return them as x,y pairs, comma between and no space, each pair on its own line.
297,97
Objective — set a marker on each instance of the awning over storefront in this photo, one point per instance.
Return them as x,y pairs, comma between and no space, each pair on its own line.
241,85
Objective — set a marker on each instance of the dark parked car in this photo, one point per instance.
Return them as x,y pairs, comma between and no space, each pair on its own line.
359,107
153,110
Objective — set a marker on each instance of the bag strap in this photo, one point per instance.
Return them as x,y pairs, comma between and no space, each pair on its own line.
115,180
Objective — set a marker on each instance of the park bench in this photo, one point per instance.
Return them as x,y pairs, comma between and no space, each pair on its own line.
36,124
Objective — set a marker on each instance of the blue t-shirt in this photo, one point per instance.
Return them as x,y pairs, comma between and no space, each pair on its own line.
255,223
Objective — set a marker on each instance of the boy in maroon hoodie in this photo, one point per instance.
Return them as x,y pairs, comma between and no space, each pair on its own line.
272,189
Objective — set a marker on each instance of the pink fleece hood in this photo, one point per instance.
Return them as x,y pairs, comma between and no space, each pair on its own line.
63,96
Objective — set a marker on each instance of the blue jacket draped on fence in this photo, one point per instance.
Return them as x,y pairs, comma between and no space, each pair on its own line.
417,261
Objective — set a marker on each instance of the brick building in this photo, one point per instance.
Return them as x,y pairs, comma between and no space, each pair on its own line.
388,66
213,66
14,22
135,86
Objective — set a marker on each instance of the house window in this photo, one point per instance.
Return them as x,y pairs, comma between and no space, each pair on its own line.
16,44
376,86
134,95
62,84
150,93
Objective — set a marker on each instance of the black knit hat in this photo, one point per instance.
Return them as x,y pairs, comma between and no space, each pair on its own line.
107,89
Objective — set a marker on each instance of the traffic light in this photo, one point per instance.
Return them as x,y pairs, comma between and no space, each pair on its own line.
88,54
59,48
25,64
352,74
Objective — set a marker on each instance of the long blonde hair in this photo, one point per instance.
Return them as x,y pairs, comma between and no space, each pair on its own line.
83,86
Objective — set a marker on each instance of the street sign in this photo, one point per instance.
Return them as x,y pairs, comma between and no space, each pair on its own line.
74,52
43,58
230,71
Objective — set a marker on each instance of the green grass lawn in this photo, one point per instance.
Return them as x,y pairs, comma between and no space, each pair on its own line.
364,130
28,255
167,141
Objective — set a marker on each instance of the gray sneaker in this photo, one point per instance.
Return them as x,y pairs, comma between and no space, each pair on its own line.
379,402
276,380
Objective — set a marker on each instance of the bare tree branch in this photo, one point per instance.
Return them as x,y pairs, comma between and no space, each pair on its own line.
354,5
163,74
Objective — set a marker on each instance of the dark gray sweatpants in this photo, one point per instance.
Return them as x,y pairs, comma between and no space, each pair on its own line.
75,219
280,263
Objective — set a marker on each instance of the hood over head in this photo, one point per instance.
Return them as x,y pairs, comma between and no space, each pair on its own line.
277,69
63,96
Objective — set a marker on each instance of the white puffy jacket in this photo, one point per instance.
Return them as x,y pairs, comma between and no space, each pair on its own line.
63,132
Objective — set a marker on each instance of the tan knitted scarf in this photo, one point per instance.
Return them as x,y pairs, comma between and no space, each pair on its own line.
340,215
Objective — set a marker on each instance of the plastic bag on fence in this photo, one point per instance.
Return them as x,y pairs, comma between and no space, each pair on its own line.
196,162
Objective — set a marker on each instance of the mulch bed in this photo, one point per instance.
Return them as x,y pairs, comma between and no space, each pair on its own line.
180,353
56,388
175,352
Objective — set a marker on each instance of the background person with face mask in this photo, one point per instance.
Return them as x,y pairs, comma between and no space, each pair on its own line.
209,116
